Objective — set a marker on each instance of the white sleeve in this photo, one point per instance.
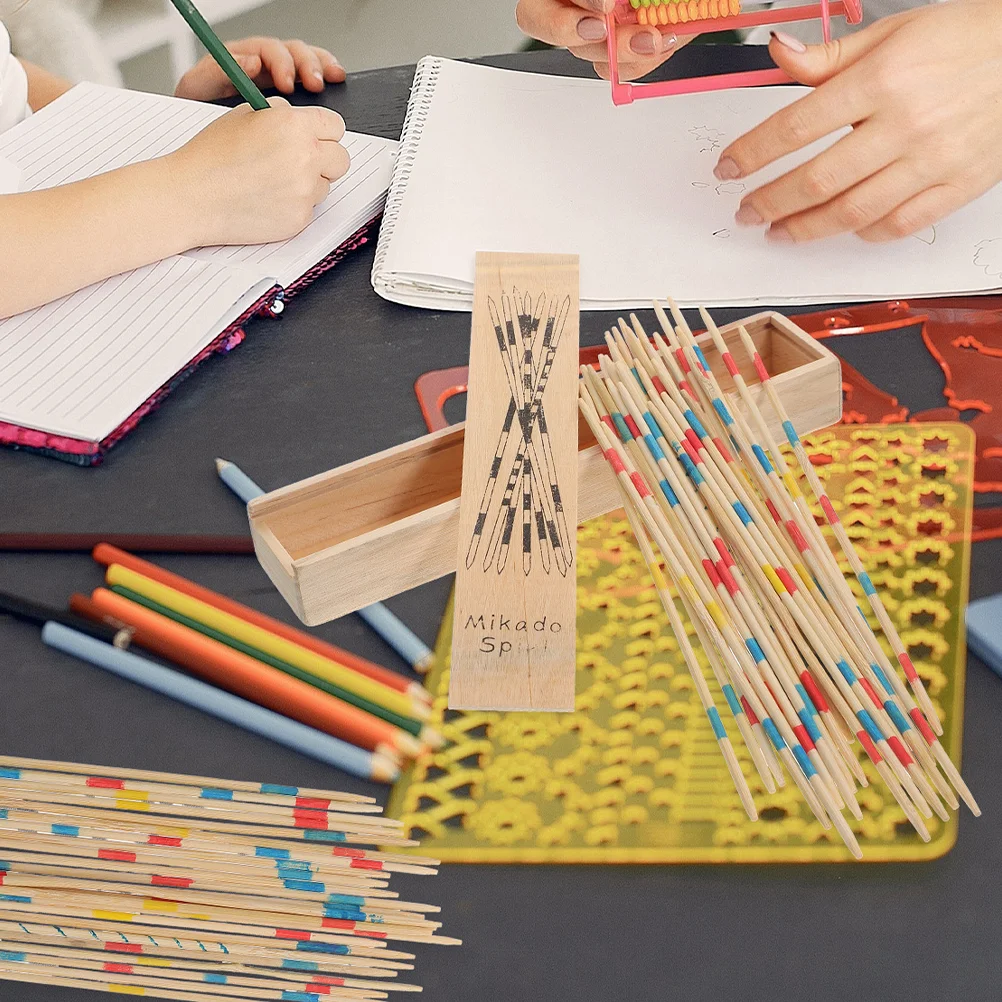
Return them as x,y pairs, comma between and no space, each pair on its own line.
13,86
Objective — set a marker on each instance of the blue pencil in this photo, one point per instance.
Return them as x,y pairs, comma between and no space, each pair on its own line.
377,616
223,705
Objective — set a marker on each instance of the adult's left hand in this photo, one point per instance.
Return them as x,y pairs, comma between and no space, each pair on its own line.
922,91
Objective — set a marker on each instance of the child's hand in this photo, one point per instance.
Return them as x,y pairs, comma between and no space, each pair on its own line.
579,25
255,176
269,63
922,91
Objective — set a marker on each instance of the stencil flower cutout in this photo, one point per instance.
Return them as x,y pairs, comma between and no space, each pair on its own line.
505,822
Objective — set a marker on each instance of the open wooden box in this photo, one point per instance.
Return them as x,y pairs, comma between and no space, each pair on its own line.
389,522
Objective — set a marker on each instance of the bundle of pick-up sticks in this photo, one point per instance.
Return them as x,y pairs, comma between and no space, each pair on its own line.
721,521
182,887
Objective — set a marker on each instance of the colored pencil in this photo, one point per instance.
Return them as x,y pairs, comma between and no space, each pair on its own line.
84,542
106,555
247,677
264,640
241,712
421,731
28,611
377,616
245,87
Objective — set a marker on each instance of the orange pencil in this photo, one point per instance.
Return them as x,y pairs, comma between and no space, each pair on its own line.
247,677
108,555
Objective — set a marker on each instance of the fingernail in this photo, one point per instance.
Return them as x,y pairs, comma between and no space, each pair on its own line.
643,44
779,234
318,76
669,41
747,215
726,170
591,29
789,41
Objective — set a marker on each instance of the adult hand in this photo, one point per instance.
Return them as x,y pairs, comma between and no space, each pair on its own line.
923,93
579,26
269,63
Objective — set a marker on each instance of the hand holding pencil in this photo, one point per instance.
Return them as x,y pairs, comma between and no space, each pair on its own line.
256,177
265,173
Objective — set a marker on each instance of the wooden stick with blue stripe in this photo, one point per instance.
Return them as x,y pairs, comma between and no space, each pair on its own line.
751,730
702,604
844,646
849,619
810,618
733,594
689,655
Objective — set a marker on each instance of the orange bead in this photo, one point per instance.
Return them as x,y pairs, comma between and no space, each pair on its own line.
714,8
642,15
704,9
663,14
735,6
673,13
683,11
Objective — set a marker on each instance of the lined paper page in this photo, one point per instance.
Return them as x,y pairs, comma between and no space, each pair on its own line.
81,365
94,129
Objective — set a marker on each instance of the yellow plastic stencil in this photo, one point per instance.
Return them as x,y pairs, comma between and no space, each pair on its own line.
634,774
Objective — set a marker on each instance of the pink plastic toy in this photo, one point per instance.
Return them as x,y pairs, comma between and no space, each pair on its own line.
697,16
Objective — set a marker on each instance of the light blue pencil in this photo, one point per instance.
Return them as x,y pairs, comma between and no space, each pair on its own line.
224,705
378,617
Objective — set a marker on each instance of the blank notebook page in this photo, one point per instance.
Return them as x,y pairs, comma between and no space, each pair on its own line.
497,160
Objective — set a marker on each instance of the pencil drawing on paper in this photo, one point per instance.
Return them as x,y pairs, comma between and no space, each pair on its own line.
523,476
988,256
709,139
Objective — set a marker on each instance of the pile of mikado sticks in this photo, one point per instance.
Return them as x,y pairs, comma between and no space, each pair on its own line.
188,888
719,516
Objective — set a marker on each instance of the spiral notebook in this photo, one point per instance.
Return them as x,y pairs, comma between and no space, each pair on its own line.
79,373
498,160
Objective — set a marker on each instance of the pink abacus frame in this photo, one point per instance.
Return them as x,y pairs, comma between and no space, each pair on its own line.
624,13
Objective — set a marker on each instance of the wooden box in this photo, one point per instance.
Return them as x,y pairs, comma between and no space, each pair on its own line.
389,522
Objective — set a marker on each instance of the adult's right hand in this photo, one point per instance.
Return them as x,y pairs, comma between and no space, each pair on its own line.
579,25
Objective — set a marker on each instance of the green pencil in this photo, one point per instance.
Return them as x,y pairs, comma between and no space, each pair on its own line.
245,86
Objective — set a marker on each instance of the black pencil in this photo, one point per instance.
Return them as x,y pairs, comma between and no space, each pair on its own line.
29,611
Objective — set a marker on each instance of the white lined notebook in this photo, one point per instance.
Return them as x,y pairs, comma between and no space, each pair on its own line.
498,160
79,367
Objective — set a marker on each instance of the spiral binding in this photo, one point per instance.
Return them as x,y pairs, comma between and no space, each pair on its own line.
422,92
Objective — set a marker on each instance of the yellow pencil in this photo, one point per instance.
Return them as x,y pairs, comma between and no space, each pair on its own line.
263,640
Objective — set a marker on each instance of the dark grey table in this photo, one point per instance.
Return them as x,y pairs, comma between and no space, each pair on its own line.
283,406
